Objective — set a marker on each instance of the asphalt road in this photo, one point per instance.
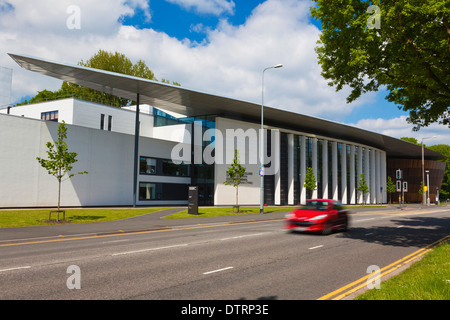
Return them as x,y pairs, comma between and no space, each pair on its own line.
215,259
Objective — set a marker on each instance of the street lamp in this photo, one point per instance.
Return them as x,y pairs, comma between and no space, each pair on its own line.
423,171
261,147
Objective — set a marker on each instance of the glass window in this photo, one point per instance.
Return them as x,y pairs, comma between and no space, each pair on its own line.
50,116
102,121
147,191
147,166
172,169
109,123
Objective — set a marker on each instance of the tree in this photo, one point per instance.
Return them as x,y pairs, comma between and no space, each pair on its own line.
444,149
411,140
103,60
235,174
390,188
60,161
362,187
407,52
310,181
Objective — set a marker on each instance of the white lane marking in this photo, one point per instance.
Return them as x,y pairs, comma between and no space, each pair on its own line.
218,270
17,268
316,247
150,249
244,236
365,219
115,241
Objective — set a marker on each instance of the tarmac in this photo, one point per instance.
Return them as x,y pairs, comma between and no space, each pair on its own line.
147,222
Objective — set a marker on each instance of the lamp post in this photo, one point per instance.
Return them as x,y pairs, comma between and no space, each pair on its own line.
261,147
423,171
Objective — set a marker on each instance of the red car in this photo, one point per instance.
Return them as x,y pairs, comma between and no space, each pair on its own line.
320,215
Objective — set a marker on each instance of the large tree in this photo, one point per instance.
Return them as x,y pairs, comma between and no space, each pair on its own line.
108,61
400,45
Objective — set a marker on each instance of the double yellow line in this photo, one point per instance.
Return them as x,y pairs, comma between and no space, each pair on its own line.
362,282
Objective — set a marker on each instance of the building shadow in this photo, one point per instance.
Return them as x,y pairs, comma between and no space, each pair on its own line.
411,232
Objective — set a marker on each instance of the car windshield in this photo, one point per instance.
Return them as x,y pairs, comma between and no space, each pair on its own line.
315,205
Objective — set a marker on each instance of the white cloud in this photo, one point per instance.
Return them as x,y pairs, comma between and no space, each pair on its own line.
399,127
229,63
215,7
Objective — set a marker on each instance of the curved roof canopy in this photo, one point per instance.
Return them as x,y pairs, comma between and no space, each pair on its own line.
194,103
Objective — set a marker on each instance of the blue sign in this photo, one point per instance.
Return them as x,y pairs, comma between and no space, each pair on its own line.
261,171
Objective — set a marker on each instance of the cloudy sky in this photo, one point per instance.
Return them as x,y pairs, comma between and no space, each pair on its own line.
214,46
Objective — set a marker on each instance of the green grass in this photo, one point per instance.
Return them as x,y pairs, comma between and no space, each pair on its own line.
226,211
22,218
427,279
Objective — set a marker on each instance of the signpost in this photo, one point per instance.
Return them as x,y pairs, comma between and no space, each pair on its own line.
401,186
193,200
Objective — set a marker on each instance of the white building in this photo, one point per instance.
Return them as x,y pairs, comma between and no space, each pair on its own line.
196,127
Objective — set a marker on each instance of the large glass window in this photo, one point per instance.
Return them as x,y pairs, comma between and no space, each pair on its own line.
172,169
147,191
50,116
163,191
147,166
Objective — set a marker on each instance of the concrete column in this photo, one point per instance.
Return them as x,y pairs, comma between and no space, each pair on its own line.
372,186
314,163
359,170
276,157
352,175
367,172
334,171
378,176
344,173
291,169
325,169
302,169
383,176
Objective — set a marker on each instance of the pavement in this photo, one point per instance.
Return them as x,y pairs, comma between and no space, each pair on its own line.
147,222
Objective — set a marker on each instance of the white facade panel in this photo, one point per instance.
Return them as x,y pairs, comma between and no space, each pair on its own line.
107,156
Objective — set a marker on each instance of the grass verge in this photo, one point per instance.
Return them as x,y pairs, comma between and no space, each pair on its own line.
22,218
226,211
427,279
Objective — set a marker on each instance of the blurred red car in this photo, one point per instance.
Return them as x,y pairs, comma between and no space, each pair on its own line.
319,215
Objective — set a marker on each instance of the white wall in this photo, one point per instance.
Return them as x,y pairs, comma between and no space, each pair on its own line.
107,156
87,114
249,193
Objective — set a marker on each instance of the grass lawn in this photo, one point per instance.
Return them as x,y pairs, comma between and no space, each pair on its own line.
226,211
22,218
427,279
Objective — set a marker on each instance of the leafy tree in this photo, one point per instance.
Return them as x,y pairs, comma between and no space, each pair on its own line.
60,160
362,187
390,188
444,149
310,181
103,60
408,53
412,140
235,173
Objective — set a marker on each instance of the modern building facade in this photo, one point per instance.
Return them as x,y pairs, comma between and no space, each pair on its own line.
184,138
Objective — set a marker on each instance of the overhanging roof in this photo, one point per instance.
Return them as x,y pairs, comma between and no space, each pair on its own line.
195,103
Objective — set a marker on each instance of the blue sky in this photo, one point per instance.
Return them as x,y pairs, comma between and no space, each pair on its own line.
214,46
190,24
